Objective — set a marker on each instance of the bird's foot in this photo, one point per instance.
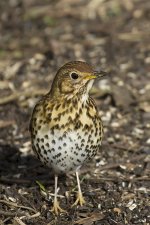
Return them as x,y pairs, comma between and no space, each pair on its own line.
80,200
56,209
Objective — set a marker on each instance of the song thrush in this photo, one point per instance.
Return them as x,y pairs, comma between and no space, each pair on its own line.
66,129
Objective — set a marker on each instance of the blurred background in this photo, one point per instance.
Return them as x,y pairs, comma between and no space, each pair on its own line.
36,38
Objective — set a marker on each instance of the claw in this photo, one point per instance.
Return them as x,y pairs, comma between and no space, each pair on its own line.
56,209
80,200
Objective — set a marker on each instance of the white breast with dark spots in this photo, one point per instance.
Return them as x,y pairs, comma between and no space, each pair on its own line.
65,151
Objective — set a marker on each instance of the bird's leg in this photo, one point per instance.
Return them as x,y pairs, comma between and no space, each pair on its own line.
56,208
80,200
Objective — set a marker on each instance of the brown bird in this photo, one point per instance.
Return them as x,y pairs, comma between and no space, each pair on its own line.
66,130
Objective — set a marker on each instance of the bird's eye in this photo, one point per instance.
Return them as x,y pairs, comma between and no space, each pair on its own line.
74,76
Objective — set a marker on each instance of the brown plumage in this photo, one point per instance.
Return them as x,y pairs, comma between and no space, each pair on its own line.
66,129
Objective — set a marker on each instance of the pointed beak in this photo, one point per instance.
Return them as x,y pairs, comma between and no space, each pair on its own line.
99,74
95,75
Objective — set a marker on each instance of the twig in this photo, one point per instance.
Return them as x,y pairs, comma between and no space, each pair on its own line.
133,37
16,95
141,178
27,202
19,221
123,148
18,206
4,213
118,179
32,216
16,181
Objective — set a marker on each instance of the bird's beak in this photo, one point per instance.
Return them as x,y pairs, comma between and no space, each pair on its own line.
96,74
99,74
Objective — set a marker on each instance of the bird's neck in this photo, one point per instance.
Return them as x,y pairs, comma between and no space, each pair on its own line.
83,95
80,98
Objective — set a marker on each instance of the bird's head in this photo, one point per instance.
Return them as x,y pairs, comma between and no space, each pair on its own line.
73,78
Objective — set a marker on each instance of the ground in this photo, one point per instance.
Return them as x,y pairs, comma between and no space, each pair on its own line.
36,38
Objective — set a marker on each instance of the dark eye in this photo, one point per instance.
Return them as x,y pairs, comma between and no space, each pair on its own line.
74,76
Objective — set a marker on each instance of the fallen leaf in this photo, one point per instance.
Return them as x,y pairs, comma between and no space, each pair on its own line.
90,219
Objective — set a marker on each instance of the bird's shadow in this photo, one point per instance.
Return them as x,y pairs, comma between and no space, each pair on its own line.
22,170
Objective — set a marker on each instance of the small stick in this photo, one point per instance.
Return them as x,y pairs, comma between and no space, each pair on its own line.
18,206
19,221
16,95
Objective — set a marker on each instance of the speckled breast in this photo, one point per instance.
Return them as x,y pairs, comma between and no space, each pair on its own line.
66,144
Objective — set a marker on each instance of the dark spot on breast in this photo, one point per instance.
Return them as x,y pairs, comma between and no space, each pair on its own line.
78,125
46,136
58,155
63,165
45,152
48,108
56,127
62,126
58,161
80,111
65,135
69,118
42,140
71,109
52,131
47,144
75,153
53,141
57,106
70,139
60,138
49,115
63,105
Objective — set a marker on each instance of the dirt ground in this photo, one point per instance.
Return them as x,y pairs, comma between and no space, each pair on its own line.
36,38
